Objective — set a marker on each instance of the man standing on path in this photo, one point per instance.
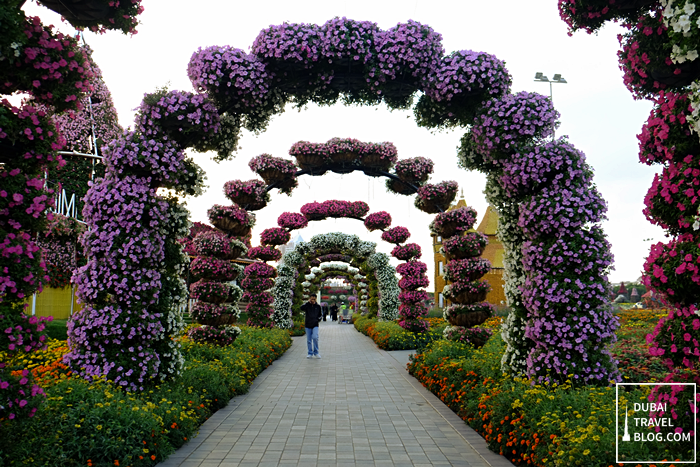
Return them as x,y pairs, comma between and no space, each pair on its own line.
313,316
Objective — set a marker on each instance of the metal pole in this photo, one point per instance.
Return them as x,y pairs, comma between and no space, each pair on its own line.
551,98
72,298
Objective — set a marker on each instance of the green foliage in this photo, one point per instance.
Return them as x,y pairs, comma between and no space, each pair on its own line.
57,329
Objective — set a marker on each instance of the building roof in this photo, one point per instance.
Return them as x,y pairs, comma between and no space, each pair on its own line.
489,223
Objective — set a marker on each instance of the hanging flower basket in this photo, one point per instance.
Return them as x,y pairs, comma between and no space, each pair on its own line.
220,321
210,291
233,220
253,205
376,161
470,245
469,297
314,211
272,175
231,227
212,314
238,249
435,198
468,315
469,320
343,158
215,269
468,270
467,292
265,253
399,187
447,229
310,161
450,223
434,206
416,170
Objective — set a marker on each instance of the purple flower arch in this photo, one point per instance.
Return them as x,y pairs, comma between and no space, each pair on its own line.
307,63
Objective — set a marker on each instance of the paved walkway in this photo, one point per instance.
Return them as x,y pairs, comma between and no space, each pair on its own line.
357,406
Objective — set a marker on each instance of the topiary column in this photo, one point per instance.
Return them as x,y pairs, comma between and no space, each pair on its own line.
53,71
412,299
465,267
132,285
217,301
557,256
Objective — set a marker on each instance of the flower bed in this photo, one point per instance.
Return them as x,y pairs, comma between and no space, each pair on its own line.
389,335
108,426
542,425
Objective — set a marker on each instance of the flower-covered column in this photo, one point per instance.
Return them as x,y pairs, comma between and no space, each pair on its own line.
467,293
132,286
53,70
565,256
217,301
671,270
259,279
412,299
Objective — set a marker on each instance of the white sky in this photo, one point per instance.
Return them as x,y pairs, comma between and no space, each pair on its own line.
598,113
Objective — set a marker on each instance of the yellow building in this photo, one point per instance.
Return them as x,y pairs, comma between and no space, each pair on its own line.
493,252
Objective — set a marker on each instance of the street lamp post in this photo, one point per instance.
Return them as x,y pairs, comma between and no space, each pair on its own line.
557,78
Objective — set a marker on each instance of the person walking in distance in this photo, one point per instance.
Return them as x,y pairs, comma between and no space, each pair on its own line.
313,316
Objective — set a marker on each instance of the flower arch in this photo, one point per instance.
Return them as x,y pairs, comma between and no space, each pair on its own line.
358,62
350,246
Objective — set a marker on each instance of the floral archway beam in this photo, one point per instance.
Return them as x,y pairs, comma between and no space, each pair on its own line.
344,156
355,60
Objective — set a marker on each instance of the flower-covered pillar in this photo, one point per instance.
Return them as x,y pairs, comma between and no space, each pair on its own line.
549,210
259,280
659,58
132,286
672,269
252,195
217,301
53,70
414,278
464,269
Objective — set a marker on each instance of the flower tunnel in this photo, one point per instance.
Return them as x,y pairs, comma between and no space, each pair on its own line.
124,331
372,266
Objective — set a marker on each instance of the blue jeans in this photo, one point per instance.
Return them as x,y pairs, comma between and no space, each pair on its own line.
312,340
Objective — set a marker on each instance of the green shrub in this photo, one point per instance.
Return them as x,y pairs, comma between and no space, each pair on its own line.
57,329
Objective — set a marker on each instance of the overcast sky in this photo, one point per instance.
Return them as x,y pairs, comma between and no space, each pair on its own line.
597,112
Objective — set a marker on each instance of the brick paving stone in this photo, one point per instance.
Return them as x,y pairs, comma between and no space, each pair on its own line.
355,407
